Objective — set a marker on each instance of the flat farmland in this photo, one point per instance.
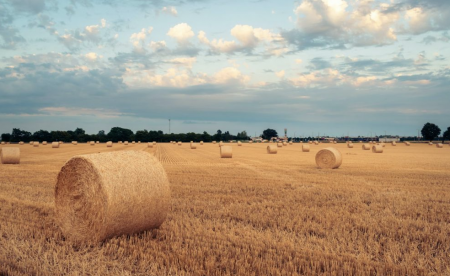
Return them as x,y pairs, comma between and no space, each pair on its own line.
253,214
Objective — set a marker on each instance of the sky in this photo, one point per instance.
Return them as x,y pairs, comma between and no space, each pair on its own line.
315,67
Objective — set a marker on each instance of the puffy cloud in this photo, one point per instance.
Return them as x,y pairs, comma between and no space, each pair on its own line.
230,75
187,62
280,74
73,40
138,39
181,32
170,10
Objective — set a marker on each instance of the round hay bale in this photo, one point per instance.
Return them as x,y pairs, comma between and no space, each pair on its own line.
44,143
290,143
193,146
92,143
31,142
310,142
154,143
220,144
214,142
377,149
305,148
55,145
280,145
120,142
366,147
99,196
36,144
271,149
250,142
2,143
350,145
393,143
61,142
334,142
284,144
139,142
360,141
430,143
239,144
316,143
74,143
149,145
407,143
439,145
10,155
133,142
20,143
328,158
179,143
97,142
226,152
125,143
201,143
109,144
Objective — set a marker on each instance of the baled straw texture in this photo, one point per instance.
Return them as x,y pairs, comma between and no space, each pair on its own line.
271,149
120,142
290,143
251,141
394,143
328,158
408,143
239,144
284,144
3,143
74,143
10,155
44,143
154,143
36,144
214,142
305,148
193,146
20,143
350,145
377,149
99,196
125,143
139,142
201,143
280,145
334,142
310,142
133,142
220,144
55,145
226,152
92,143
149,145
179,143
316,142
439,145
366,147
430,143
109,144
61,142
97,142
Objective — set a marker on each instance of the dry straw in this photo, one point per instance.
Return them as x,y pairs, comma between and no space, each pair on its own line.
250,142
139,142
201,143
193,146
74,143
109,144
328,158
179,143
284,144
290,143
99,196
36,144
92,143
439,145
97,142
3,143
280,145
44,143
214,142
305,148
366,147
377,149
430,143
220,144
334,142
10,155
55,145
61,142
133,142
271,149
154,143
20,143
239,144
125,143
316,143
408,143
310,142
149,145
350,145
226,152
393,143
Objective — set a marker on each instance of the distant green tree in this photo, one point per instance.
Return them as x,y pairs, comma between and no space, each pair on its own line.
18,135
269,133
205,137
430,131
61,136
42,135
446,135
120,134
142,135
242,135
217,136
6,137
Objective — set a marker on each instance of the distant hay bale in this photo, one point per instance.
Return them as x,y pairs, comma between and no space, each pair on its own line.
92,143
201,143
271,149
120,142
139,142
305,148
36,144
350,145
366,146
44,143
99,196
154,143
408,143
250,142
133,142
31,142
284,144
193,146
61,142
280,145
20,143
125,143
377,149
334,142
393,143
214,142
328,158
109,144
290,143
439,145
226,152
430,143
360,141
239,144
74,143
220,143
3,143
10,155
179,143
97,142
55,145
149,145
310,142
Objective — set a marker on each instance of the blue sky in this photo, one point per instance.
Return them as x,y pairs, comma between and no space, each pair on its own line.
332,67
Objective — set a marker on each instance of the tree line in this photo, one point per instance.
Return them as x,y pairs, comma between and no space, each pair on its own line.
118,134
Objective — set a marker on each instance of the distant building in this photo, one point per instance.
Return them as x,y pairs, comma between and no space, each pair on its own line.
256,139
388,140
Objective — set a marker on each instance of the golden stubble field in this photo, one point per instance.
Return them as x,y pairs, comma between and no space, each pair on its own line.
254,214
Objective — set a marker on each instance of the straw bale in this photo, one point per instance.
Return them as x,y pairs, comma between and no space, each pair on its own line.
149,145
3,143
139,142
133,142
220,144
250,142
193,146
430,143
280,145
408,143
316,143
55,145
125,143
20,143
439,145
393,143
328,158
334,142
377,149
44,143
290,143
154,143
61,142
180,143
36,144
99,196
271,149
214,142
92,143
310,142
109,144
74,143
305,148
10,155
226,152
350,145
120,142
239,144
360,141
201,143
97,142
366,147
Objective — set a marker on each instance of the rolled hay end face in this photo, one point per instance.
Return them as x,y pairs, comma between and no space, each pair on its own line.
226,152
99,196
366,147
10,155
328,158
55,145
377,149
109,144
305,148
272,149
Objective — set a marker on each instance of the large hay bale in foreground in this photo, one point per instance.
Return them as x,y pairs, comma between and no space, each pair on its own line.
55,145
99,196
109,144
305,148
377,149
366,147
328,158
439,145
271,149
226,152
10,155
350,145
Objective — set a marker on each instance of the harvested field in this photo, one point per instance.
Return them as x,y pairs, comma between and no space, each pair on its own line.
253,214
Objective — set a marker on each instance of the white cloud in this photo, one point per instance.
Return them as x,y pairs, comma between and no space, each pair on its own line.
170,10
181,32
138,39
157,45
280,74
230,75
186,62
92,56
103,21
298,61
